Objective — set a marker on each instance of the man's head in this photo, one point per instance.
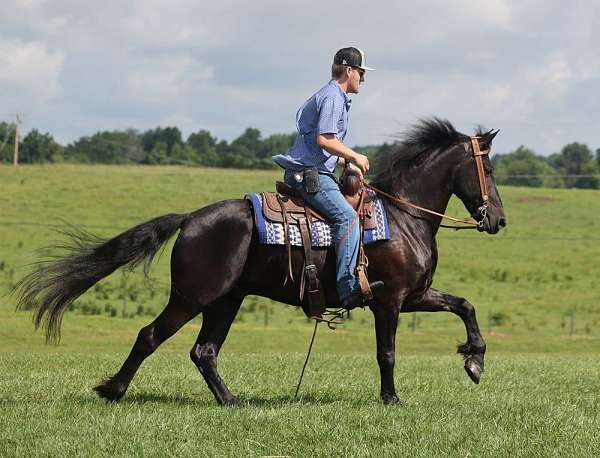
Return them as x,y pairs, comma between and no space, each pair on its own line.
349,69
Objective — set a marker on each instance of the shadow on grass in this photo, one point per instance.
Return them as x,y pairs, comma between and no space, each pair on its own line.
246,400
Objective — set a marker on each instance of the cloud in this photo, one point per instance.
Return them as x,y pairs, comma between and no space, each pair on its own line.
166,79
29,67
528,67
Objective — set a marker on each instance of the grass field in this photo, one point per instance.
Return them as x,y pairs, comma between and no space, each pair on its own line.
538,397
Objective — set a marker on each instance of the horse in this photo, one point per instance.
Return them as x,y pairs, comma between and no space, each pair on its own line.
216,261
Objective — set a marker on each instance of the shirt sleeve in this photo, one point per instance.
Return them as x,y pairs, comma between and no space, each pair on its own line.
330,112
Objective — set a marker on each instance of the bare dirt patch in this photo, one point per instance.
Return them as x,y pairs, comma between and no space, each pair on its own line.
537,200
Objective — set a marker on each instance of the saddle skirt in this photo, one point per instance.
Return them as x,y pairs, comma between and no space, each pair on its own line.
269,220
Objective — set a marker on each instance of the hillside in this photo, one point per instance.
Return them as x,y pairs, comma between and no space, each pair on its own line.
529,279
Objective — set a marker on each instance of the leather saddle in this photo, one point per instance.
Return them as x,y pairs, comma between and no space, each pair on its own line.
287,201
286,206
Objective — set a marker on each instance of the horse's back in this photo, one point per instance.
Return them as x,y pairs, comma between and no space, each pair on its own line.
211,251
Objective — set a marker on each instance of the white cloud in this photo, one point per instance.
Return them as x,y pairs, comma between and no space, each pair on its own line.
165,79
31,68
528,67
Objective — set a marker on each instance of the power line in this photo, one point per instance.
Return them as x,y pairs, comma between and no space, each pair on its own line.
444,237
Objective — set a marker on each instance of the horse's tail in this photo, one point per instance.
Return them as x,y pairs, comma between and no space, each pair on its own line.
55,283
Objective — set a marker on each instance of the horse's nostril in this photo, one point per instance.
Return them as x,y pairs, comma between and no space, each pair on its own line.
502,222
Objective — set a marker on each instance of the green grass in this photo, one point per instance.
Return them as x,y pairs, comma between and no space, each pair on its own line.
529,404
530,278
538,397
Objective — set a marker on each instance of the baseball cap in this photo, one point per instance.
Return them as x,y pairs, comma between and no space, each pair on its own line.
351,56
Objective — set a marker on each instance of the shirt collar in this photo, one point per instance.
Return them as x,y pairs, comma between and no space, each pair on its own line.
347,99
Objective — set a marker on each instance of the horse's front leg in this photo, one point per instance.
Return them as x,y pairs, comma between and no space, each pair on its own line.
386,322
474,349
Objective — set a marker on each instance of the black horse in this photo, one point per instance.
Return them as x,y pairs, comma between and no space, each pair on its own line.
217,261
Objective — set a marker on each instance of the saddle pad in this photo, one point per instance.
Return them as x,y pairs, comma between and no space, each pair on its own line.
270,233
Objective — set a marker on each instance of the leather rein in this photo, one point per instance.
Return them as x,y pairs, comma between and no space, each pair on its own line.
481,211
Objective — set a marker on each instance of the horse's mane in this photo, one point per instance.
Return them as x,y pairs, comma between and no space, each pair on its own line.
427,136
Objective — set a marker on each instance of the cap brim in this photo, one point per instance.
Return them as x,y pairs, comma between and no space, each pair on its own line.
366,68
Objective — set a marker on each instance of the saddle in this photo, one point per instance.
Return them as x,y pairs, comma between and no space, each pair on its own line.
286,206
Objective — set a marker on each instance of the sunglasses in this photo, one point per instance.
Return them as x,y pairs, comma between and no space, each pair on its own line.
360,71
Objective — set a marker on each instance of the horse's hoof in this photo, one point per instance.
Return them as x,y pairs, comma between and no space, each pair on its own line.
231,402
392,400
110,390
474,370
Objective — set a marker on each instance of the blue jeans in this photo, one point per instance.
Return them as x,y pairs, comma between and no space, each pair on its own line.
330,202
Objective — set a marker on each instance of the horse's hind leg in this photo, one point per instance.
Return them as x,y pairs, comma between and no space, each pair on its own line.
474,349
386,322
216,321
177,313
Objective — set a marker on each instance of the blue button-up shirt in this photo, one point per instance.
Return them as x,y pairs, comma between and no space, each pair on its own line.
325,112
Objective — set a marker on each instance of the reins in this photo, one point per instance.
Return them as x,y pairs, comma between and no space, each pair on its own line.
471,224
482,210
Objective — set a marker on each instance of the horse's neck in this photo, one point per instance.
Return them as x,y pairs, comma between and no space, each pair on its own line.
428,186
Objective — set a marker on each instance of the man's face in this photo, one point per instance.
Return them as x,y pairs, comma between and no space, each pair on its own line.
355,77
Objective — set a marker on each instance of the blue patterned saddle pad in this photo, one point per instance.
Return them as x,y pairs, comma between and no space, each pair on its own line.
271,233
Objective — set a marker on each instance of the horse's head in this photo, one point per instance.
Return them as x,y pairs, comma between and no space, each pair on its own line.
474,183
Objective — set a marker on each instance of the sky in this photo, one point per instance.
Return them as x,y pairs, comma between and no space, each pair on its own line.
530,68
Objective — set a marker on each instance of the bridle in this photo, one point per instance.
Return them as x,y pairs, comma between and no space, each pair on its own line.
478,156
481,210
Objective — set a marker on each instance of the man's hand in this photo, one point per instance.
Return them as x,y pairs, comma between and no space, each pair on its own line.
351,166
362,162
333,146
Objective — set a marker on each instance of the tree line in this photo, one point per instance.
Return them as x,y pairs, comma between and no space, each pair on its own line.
575,166
159,146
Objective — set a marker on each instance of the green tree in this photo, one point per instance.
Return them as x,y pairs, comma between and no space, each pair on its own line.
116,147
205,146
245,148
381,158
159,154
523,167
574,159
40,148
276,144
7,141
183,155
169,136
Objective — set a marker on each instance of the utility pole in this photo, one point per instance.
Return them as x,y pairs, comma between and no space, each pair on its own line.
16,153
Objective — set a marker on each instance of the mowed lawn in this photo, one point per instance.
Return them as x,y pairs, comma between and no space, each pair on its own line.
534,286
528,404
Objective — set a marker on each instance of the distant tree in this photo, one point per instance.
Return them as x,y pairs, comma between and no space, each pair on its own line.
169,136
205,146
381,158
183,155
523,167
598,156
574,159
248,144
7,141
159,154
40,148
276,144
107,147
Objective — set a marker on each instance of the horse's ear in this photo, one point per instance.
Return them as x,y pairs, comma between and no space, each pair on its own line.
486,139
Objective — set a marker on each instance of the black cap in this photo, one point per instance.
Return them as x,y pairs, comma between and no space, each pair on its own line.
351,56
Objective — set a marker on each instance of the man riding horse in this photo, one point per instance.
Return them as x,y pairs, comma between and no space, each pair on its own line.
322,123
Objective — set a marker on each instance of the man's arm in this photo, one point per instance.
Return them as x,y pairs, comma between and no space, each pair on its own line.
331,144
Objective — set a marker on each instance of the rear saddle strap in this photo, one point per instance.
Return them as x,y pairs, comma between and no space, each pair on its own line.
286,238
310,285
362,262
